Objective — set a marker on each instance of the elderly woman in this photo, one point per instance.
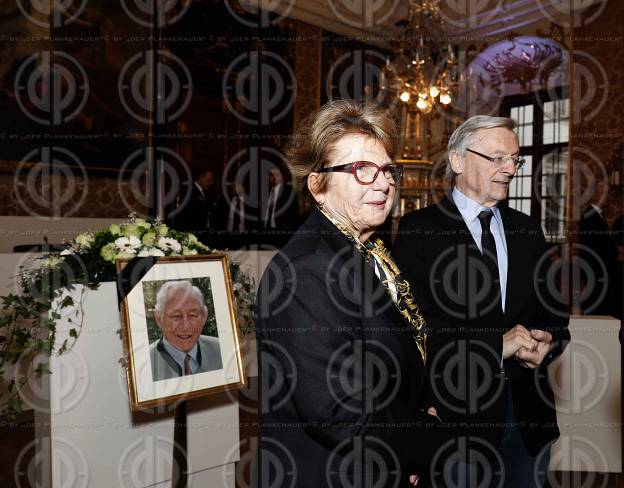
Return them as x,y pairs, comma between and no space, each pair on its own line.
342,343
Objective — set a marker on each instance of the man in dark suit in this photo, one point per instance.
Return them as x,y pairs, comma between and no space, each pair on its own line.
196,211
599,253
280,215
476,268
236,215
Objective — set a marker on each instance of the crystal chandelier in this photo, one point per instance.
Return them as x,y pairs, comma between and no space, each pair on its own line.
422,72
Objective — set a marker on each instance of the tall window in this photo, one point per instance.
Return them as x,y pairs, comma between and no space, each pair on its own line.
540,187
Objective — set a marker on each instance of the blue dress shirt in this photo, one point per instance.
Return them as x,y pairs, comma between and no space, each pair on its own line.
469,210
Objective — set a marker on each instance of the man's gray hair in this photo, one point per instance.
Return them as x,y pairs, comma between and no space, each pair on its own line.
171,288
465,135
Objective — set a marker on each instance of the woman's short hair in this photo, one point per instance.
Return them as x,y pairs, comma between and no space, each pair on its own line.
171,288
465,135
312,144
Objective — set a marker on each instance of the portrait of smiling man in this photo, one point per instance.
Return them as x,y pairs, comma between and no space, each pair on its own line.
181,313
477,269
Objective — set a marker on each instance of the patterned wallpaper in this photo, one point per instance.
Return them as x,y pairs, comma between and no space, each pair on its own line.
598,98
80,196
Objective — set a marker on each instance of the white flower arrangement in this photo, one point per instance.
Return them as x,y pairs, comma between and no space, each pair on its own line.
90,259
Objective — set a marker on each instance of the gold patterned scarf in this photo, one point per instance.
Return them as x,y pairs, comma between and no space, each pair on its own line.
404,299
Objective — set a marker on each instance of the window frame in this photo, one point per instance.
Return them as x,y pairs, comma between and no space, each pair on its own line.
538,149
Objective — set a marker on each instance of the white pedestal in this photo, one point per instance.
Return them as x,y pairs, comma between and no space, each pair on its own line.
86,435
587,381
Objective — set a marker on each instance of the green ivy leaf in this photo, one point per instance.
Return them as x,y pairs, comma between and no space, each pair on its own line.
48,346
14,406
42,368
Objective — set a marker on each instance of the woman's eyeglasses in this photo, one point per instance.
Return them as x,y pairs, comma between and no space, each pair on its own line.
500,160
366,172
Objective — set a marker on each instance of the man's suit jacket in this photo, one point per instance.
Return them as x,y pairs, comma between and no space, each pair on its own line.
340,374
468,386
600,253
286,217
226,239
164,367
196,214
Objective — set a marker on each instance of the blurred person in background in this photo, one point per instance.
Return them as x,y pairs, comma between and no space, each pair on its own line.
197,212
236,216
599,256
280,211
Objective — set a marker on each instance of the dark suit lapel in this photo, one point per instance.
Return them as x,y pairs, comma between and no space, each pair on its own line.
199,353
592,214
349,259
466,252
515,251
378,295
167,357
453,222
375,301
200,193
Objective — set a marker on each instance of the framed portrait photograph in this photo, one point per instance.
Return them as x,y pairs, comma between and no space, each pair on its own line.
180,333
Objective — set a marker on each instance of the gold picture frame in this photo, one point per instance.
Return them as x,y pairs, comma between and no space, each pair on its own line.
152,362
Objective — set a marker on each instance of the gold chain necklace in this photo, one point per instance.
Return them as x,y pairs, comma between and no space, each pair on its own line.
405,300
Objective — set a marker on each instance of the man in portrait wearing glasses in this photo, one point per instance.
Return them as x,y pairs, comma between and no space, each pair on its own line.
181,314
477,269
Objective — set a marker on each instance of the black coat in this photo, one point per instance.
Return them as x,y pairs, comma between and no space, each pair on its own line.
340,374
602,292
196,213
438,255
235,239
286,217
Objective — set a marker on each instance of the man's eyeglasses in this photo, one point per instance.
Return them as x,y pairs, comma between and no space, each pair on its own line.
366,172
500,160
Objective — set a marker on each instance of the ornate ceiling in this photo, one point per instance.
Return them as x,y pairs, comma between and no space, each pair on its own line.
477,18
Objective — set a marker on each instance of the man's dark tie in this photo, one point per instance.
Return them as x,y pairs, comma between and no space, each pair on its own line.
187,365
488,245
488,248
